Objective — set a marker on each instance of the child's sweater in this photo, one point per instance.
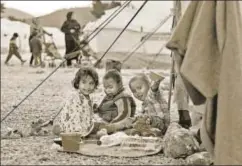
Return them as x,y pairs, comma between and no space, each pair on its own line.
117,108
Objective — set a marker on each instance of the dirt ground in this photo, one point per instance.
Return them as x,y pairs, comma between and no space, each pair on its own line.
18,81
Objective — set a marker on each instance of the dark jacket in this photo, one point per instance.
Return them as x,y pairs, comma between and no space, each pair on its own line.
36,45
67,26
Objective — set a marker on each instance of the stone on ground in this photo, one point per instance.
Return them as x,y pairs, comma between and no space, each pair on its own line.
201,158
179,142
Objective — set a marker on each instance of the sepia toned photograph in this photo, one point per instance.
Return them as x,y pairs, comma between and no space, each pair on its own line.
114,82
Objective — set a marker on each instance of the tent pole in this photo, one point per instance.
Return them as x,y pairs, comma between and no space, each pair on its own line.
177,13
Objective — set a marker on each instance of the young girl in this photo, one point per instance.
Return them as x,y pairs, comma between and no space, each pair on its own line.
77,114
154,105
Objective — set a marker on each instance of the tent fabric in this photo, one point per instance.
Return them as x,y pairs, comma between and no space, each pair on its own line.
160,9
208,42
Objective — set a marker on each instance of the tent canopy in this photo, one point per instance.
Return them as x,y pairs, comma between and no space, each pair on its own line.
154,11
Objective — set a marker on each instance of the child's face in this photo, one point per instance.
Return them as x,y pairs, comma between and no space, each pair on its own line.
73,16
111,86
87,85
139,89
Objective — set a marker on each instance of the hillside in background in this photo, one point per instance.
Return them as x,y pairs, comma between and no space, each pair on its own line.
56,19
15,13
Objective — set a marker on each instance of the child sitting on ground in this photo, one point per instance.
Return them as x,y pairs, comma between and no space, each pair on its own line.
154,105
116,105
77,113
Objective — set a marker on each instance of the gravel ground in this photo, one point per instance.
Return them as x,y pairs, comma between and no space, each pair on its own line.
16,83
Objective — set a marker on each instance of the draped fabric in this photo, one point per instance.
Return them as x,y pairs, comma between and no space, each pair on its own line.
208,43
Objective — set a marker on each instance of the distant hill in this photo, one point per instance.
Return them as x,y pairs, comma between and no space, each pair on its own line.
15,13
56,19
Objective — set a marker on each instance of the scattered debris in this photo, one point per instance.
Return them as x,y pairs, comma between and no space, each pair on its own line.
38,128
179,142
113,140
142,143
56,130
201,158
12,134
40,72
55,147
142,126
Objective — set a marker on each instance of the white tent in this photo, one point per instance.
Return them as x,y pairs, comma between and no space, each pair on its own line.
9,27
151,15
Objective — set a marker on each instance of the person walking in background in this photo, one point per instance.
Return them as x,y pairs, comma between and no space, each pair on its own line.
71,28
13,50
36,46
36,27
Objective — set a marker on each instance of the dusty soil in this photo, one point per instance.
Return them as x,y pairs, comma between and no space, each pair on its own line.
18,81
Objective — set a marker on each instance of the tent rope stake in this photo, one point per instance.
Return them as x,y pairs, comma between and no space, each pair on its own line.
176,10
106,21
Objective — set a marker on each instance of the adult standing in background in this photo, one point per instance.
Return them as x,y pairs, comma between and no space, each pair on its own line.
71,28
36,27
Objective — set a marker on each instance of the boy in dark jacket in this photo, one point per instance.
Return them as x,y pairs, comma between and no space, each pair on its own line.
71,28
13,50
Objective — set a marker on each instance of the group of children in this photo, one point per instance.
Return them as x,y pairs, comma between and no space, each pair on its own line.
35,48
118,109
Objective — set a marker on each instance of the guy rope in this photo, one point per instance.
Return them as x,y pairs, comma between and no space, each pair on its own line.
177,13
66,57
141,7
104,23
146,38
156,56
98,61
96,31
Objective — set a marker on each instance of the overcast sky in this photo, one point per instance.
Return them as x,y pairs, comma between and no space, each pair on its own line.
38,8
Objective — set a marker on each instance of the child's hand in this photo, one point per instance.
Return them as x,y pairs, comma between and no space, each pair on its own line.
72,30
